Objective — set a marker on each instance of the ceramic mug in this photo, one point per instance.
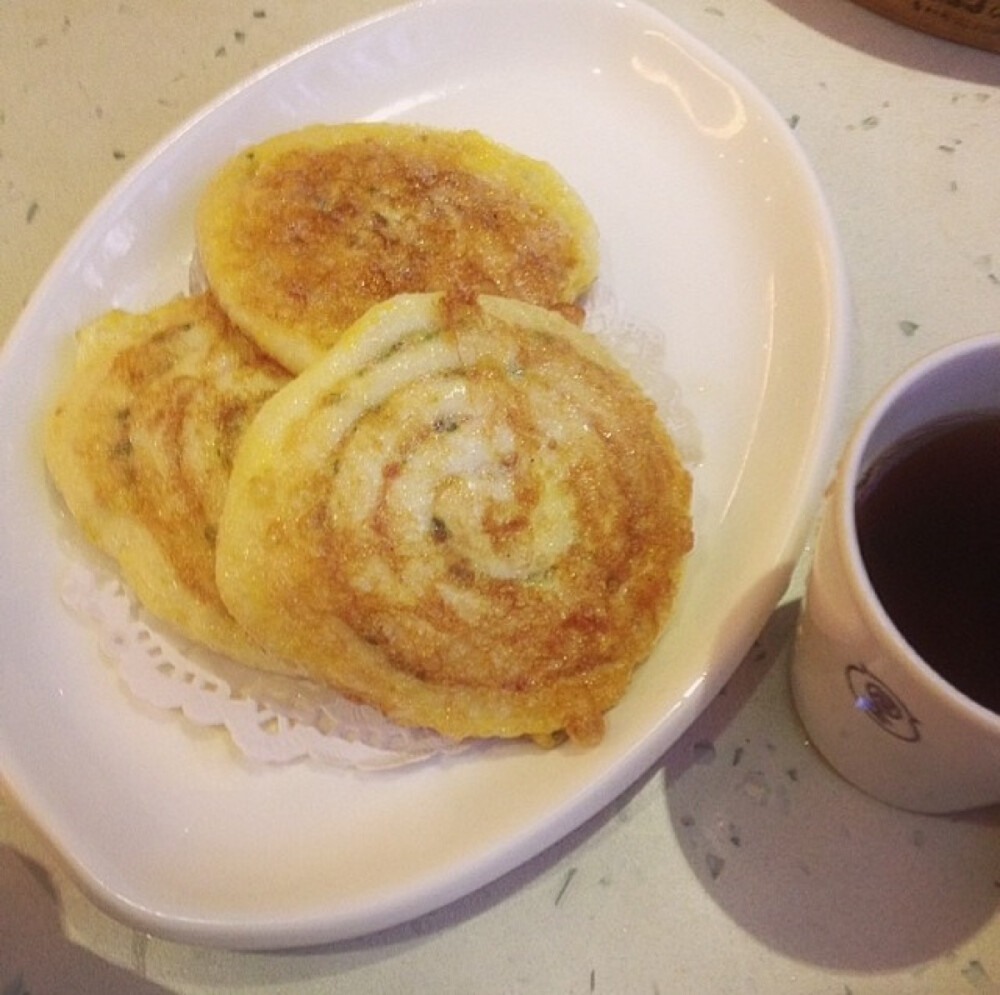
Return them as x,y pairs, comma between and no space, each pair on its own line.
881,716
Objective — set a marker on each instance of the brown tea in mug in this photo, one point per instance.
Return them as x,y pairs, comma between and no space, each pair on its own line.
928,524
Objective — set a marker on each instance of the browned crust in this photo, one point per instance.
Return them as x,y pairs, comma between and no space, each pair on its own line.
301,234
140,444
487,548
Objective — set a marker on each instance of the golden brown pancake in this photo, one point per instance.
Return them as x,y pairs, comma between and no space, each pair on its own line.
141,442
466,515
299,235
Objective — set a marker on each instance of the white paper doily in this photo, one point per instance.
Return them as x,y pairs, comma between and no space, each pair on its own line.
270,718
644,351
275,719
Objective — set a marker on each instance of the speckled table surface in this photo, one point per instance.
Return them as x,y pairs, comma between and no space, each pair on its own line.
739,862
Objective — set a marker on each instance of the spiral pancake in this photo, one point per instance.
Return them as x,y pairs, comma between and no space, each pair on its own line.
465,515
141,443
299,235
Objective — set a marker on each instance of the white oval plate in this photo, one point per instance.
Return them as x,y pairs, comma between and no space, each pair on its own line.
716,247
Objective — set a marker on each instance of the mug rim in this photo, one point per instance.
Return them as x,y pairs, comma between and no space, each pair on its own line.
864,594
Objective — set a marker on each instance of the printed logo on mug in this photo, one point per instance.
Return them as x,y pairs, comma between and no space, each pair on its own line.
880,704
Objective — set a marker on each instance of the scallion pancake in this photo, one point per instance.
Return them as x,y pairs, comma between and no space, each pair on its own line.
140,444
466,514
300,234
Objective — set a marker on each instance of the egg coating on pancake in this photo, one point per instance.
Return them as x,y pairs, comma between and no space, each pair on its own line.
140,443
466,515
299,235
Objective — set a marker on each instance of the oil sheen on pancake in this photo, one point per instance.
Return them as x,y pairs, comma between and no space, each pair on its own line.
466,515
140,444
299,235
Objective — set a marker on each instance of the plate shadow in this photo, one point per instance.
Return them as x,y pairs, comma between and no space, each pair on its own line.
35,956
